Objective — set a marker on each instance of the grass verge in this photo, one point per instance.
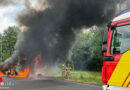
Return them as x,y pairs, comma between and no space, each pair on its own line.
85,77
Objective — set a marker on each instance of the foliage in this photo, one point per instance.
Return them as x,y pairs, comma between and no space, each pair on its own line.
8,38
86,52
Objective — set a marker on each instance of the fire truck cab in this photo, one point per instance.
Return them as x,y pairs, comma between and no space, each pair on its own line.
116,52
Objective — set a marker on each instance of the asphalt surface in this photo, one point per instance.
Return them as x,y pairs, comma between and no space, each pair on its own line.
48,84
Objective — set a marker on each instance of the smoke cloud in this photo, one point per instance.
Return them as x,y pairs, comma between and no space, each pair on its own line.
8,2
49,26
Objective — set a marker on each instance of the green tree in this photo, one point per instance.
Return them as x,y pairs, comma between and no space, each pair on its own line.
0,47
9,38
80,52
86,52
95,50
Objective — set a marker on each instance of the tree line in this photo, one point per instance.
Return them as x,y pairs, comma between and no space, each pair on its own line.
86,52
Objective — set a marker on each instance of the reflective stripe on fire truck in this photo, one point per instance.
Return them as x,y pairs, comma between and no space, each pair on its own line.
121,74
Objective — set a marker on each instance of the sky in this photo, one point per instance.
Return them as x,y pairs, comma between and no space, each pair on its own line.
8,15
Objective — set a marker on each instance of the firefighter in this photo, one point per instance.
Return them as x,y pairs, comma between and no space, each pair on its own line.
68,68
63,70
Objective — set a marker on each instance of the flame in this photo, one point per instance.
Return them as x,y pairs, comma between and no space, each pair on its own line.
26,73
36,73
21,74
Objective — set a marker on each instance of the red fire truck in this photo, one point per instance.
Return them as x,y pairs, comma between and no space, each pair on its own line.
116,52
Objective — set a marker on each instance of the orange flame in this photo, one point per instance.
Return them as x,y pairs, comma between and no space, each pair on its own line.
21,74
26,73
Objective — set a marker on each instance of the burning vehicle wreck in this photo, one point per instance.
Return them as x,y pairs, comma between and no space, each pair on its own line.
10,70
22,69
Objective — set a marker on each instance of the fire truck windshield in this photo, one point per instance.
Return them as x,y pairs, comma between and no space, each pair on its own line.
120,40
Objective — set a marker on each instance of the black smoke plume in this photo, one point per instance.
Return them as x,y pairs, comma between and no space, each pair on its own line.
51,30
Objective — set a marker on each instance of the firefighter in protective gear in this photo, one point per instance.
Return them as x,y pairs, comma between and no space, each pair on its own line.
68,68
63,70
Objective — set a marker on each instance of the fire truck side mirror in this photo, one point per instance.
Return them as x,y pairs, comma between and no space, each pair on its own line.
105,36
104,48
